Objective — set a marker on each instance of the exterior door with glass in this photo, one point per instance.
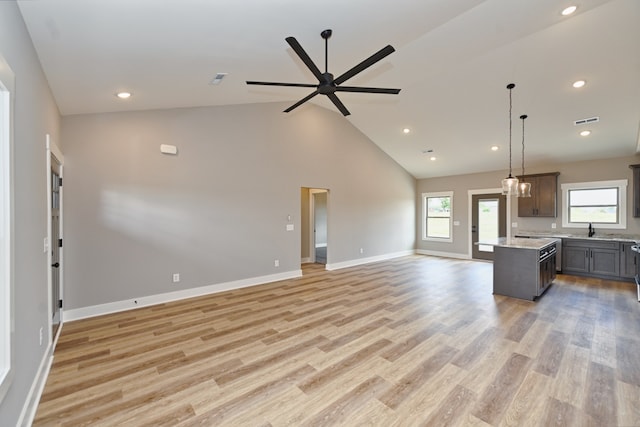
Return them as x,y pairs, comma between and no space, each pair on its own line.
488,222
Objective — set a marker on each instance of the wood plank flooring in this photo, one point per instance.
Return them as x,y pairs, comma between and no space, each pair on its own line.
414,341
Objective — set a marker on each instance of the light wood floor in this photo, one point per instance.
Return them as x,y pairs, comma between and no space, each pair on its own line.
415,341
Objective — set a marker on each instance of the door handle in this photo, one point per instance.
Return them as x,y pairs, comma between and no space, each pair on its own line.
473,229
55,265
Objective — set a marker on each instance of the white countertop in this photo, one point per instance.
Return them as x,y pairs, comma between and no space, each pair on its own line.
520,243
598,236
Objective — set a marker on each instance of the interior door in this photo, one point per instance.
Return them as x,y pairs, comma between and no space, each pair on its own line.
488,222
55,245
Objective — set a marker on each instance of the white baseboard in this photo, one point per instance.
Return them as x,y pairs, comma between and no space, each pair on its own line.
306,260
360,261
30,407
113,307
443,254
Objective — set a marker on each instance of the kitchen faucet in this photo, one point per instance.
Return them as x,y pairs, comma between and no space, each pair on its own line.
592,230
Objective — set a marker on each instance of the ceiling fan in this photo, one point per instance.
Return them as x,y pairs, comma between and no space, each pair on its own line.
327,85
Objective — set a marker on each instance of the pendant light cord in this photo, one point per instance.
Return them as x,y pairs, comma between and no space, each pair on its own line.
510,87
524,116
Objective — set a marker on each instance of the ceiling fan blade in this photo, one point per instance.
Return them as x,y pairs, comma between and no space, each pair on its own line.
382,53
251,82
302,101
340,105
305,58
367,89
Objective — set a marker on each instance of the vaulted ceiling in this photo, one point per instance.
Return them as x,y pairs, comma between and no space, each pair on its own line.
453,61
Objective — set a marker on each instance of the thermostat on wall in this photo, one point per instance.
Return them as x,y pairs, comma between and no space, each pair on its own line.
168,149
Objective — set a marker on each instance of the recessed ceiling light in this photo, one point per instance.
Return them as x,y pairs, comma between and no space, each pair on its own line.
494,148
569,10
585,133
406,130
432,158
123,95
579,83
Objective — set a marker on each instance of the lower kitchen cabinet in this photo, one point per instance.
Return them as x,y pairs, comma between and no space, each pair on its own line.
627,260
591,257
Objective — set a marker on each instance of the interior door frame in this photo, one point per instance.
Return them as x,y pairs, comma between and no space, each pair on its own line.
472,193
52,150
312,222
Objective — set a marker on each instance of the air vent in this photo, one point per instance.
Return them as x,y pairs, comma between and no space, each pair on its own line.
217,79
586,121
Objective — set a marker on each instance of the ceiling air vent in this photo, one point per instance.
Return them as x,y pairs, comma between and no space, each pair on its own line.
586,121
217,79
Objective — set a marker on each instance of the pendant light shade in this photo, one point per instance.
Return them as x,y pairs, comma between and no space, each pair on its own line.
510,184
524,188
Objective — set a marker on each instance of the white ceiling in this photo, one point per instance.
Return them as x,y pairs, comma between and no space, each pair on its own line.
453,61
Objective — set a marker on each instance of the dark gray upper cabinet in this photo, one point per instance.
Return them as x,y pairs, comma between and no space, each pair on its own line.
543,200
635,188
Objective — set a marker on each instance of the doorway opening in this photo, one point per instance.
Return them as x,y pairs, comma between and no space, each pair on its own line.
314,227
488,223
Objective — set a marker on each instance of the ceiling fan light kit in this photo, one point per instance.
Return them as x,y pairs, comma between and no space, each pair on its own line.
327,84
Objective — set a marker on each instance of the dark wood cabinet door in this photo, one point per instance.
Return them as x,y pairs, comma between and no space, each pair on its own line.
546,195
543,200
635,189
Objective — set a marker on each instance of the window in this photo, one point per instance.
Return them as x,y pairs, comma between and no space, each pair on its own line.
437,214
601,203
6,253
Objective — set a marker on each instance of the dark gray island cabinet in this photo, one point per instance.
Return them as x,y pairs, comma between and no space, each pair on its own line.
523,268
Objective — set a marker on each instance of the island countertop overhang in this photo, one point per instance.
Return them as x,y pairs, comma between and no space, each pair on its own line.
520,243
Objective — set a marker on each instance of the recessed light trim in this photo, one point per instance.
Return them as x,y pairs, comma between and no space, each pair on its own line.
579,83
124,95
406,130
585,133
569,10
494,148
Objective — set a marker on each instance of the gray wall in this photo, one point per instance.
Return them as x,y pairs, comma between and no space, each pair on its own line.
35,115
217,211
597,170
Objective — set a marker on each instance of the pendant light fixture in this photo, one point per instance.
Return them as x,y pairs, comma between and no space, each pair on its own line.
524,188
510,184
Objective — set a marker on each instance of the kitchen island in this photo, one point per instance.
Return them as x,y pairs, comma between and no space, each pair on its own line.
523,267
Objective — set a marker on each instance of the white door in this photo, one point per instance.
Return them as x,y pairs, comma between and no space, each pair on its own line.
55,162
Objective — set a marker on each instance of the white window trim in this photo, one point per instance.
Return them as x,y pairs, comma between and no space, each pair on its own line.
424,217
622,202
7,327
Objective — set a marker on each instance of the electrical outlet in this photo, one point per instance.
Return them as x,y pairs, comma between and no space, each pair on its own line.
41,335
276,263
514,225
361,250
176,277
553,225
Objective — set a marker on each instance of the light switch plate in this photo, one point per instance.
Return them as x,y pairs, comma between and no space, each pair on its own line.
289,227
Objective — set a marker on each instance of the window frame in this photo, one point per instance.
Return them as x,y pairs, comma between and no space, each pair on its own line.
7,327
621,185
425,231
